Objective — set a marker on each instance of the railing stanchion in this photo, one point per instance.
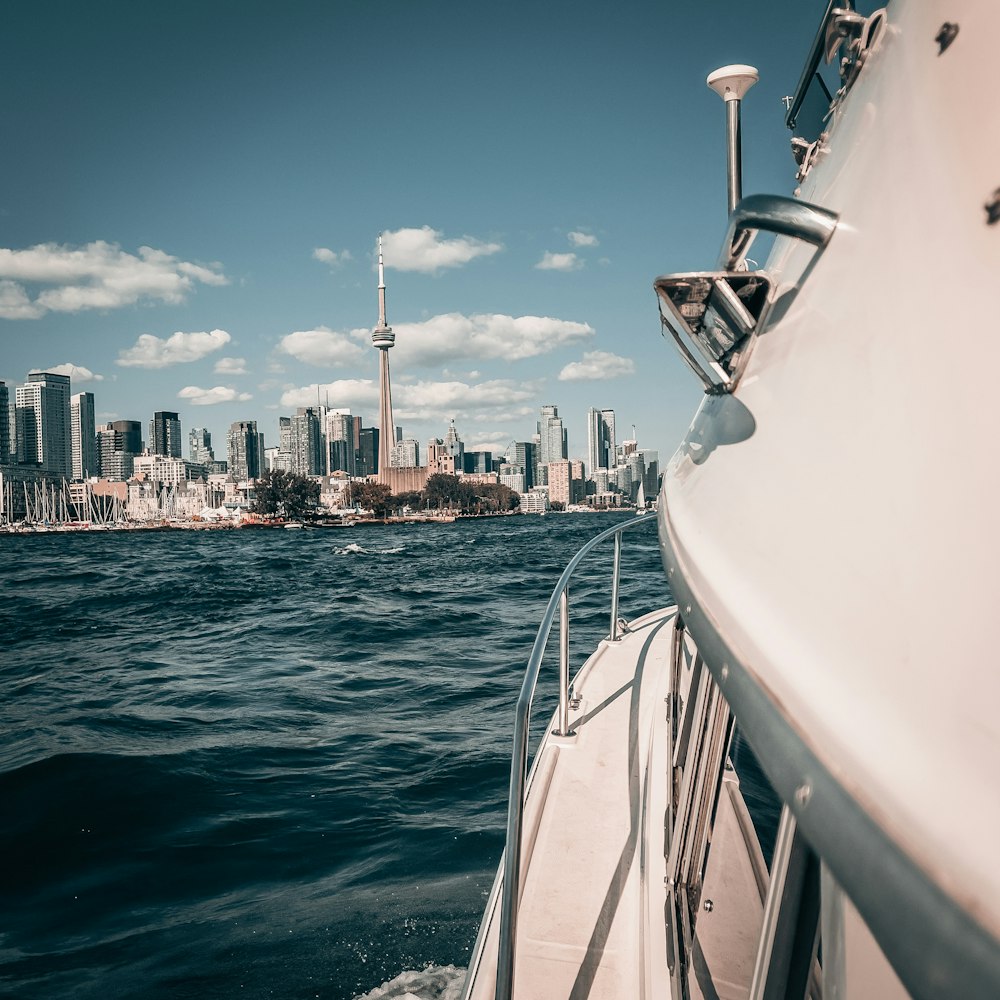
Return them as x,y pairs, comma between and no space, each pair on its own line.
615,579
563,729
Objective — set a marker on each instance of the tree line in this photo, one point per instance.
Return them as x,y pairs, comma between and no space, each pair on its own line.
285,494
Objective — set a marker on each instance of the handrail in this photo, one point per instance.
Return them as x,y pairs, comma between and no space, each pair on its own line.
778,214
519,756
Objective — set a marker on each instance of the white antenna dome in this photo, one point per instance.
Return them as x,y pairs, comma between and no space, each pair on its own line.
732,82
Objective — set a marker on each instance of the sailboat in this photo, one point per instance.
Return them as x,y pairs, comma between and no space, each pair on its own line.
828,529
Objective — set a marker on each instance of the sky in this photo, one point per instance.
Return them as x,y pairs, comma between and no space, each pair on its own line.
191,195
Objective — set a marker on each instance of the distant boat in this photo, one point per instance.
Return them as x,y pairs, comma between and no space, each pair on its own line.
291,525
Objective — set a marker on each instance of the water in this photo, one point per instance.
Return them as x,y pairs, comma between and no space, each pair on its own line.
265,763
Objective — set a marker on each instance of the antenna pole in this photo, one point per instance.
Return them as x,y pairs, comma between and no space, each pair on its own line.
731,83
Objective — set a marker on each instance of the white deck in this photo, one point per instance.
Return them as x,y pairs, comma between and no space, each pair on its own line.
590,922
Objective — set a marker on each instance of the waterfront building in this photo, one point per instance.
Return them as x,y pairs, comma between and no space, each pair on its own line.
382,339
246,451
43,423
552,442
165,434
83,436
166,470
405,454
566,484
601,449
535,500
200,446
512,476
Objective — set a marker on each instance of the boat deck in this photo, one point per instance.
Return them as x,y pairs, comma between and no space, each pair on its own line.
590,923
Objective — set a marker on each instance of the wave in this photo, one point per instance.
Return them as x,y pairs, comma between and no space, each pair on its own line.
435,982
353,549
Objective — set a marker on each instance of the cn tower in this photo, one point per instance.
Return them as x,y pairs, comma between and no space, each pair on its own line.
383,338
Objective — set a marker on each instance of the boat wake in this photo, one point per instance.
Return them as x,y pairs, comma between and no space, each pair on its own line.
436,982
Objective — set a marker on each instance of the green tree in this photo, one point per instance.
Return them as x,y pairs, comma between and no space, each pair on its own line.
283,494
497,496
376,497
409,498
442,490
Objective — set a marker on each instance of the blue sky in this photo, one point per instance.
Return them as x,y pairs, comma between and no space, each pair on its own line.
190,195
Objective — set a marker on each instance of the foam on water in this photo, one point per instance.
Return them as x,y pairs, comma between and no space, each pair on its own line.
433,983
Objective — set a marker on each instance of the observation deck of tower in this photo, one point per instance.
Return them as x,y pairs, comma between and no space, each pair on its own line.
383,338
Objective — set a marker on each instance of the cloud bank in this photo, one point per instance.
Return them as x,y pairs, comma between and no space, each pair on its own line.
99,275
451,337
578,239
597,365
231,366
426,250
324,347
77,373
178,348
209,397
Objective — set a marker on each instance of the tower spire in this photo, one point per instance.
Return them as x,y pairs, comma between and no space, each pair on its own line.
383,338
381,286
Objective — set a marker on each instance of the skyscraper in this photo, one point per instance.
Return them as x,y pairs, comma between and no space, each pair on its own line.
43,427
552,443
200,446
245,451
83,435
306,443
4,424
383,338
342,441
165,434
600,439
117,444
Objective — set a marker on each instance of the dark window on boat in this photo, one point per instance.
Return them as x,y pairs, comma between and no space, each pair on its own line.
761,801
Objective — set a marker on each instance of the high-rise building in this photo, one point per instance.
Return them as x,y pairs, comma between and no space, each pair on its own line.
477,461
525,454
165,434
454,446
368,451
552,442
83,435
405,454
118,443
245,451
200,446
566,484
43,427
601,451
306,444
342,441
5,424
383,338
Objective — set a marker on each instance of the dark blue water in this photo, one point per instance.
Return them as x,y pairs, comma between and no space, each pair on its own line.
265,763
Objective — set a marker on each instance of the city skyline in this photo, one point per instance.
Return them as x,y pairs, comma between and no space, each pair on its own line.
214,233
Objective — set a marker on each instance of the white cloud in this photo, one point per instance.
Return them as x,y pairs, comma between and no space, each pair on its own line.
496,443
346,393
559,262
451,337
597,365
497,400
579,239
331,257
426,250
324,347
76,372
178,348
231,366
99,275
209,397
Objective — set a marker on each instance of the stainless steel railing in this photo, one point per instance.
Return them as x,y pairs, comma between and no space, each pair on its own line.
519,758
